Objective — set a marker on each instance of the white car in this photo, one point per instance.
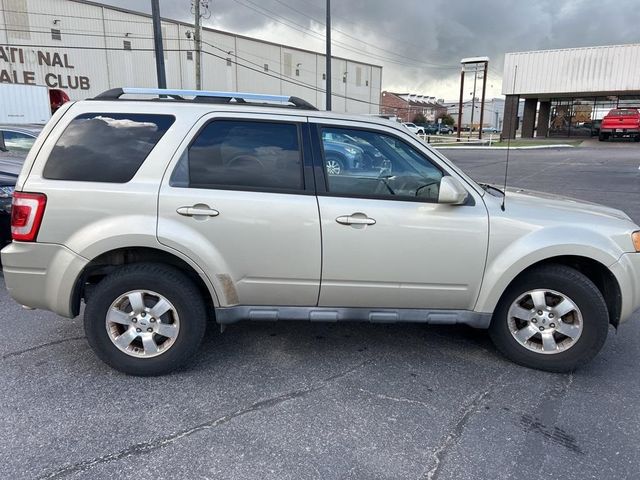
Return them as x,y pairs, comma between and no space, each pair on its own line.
414,128
164,215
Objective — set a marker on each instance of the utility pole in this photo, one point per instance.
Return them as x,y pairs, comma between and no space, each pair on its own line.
198,45
157,40
460,104
328,55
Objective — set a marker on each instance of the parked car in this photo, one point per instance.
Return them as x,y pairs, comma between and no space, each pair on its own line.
445,129
158,218
412,127
342,156
489,130
15,143
620,123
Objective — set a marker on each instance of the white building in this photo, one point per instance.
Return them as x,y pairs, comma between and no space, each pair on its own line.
565,91
85,48
493,112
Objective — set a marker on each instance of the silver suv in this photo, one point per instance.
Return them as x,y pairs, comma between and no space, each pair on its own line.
162,213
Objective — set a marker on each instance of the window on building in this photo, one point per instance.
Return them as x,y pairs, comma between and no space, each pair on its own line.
358,76
56,34
105,147
189,55
266,67
288,64
16,14
229,62
242,154
324,76
366,83
126,44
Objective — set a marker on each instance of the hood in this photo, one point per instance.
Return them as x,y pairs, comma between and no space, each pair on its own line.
551,203
11,163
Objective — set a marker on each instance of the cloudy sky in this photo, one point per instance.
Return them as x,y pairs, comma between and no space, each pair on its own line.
420,42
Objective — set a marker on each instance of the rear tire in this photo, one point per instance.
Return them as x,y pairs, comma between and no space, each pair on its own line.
527,338
145,319
603,137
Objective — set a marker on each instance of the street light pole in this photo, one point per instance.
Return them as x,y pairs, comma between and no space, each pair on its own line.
157,40
328,56
484,93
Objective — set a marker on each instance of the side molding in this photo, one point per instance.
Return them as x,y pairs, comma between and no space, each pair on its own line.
228,315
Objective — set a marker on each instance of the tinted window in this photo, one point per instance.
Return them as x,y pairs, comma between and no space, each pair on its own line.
105,147
370,164
17,142
239,154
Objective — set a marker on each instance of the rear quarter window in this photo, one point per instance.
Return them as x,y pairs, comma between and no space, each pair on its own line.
105,147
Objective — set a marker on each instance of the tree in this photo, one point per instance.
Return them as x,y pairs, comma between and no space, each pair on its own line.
447,119
419,119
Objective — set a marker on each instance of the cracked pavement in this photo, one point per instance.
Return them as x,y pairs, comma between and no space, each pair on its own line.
351,401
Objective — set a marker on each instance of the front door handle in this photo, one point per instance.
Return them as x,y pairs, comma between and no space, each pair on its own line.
198,210
355,219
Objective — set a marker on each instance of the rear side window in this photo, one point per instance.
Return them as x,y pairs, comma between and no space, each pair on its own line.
234,154
105,147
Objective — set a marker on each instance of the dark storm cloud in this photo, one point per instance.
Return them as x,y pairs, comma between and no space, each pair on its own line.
422,36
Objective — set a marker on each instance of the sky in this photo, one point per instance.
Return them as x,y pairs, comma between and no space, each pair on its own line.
420,43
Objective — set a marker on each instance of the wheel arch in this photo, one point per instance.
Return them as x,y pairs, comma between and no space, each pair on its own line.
104,263
594,270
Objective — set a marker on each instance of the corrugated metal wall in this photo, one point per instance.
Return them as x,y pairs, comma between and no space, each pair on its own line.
92,56
577,70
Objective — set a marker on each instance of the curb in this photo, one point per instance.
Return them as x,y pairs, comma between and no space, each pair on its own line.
479,147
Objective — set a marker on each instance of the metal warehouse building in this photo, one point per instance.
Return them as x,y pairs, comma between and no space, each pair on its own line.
565,91
85,48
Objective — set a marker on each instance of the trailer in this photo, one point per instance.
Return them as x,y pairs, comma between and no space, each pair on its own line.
22,104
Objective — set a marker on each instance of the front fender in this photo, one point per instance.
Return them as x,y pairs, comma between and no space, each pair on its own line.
505,263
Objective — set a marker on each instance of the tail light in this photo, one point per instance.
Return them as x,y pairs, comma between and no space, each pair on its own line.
27,210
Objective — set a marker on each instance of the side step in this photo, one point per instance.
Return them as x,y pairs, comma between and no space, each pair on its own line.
228,315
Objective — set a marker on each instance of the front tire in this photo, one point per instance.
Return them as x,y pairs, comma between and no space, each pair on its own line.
145,319
553,318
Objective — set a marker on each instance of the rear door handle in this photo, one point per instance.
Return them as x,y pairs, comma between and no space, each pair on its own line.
355,219
198,211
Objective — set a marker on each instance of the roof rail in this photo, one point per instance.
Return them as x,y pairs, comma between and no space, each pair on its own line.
206,96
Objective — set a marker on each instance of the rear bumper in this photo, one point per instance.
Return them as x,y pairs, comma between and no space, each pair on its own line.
627,272
42,275
620,132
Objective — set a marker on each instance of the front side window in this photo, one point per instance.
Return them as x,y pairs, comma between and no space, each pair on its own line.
105,147
242,154
372,164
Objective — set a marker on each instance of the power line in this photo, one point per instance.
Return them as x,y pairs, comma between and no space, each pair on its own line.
362,41
281,78
303,29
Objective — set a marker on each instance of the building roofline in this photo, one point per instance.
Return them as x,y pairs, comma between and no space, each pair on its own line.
215,30
592,47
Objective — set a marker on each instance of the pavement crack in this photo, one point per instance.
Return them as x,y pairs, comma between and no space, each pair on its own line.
396,399
38,347
440,452
146,447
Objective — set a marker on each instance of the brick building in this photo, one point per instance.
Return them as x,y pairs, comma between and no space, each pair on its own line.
405,106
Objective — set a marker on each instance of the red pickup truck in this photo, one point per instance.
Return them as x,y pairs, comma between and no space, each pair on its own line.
621,123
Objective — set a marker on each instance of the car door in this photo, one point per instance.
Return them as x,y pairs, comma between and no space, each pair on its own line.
237,202
386,241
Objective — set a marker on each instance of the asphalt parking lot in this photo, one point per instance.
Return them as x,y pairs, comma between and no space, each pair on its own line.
350,401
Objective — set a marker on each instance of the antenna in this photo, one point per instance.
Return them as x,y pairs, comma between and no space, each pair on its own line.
506,167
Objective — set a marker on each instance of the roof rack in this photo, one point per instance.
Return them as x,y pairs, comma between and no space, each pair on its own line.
204,96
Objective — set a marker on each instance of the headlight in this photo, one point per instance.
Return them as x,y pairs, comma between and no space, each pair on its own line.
6,191
635,236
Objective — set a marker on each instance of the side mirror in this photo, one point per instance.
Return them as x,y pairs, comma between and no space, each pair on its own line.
451,191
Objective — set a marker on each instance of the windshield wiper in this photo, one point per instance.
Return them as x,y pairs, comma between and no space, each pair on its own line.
487,187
